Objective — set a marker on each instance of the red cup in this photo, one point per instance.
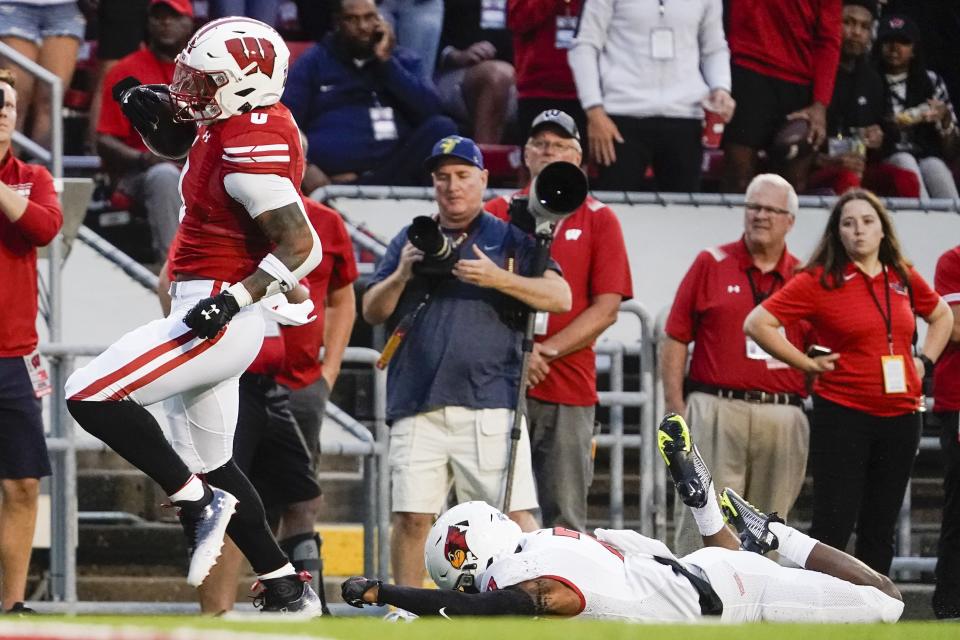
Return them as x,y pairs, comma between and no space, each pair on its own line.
712,129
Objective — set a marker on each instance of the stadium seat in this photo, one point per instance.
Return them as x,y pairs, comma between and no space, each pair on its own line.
505,164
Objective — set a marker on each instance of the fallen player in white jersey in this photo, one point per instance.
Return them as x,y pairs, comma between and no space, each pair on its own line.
484,565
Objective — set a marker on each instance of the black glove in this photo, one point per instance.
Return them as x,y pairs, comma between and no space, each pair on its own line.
352,590
210,315
145,104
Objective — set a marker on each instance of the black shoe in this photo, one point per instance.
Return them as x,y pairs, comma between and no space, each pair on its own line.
752,524
19,609
690,475
205,528
290,595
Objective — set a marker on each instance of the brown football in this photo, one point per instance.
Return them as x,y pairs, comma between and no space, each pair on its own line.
791,140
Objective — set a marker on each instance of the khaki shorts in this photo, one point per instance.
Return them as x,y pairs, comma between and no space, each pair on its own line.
458,446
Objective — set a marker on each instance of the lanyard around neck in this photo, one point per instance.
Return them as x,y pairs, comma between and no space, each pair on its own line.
888,318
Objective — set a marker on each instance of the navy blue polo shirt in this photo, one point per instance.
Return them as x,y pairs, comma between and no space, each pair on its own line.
458,352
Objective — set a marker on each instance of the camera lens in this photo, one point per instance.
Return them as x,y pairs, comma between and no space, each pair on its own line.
424,233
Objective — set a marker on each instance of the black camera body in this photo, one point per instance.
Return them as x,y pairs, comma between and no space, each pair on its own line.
439,255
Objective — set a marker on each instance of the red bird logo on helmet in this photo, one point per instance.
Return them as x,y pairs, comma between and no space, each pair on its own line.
455,547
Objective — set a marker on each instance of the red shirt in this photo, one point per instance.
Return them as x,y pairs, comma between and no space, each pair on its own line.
946,376
19,240
542,69
338,269
711,304
217,238
793,40
590,250
848,320
144,66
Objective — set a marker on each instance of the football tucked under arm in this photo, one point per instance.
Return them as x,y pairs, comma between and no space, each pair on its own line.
149,109
433,602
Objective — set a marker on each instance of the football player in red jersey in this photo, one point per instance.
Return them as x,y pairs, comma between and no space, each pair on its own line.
243,234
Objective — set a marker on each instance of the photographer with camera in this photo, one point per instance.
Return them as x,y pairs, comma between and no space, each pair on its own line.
561,403
454,363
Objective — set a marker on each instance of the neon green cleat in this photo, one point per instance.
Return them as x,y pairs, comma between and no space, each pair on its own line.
690,475
751,524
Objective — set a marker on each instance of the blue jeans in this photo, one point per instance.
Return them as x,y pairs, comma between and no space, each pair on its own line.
417,24
262,10
39,22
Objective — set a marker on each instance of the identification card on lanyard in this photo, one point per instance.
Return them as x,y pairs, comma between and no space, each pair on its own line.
383,124
893,365
493,14
566,28
39,378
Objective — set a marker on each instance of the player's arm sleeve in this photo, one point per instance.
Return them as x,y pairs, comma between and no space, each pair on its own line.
429,602
42,218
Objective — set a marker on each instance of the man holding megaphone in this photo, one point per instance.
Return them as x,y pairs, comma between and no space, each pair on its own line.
589,247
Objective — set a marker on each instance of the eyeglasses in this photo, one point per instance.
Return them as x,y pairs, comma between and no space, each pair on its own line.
754,207
555,146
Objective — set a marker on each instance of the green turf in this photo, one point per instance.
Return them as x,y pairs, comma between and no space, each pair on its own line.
503,629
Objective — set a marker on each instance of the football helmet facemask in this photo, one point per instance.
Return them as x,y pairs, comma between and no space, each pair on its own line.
229,67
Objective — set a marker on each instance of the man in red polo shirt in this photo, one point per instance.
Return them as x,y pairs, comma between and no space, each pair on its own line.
590,249
30,217
148,179
946,412
744,406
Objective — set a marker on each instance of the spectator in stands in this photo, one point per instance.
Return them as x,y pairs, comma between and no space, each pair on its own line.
418,24
861,296
785,57
939,22
475,75
452,384
369,115
149,180
946,416
854,132
49,33
745,406
29,217
121,29
924,128
562,397
262,10
662,65
542,35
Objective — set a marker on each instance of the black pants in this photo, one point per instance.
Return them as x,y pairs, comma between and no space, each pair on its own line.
672,145
946,597
860,466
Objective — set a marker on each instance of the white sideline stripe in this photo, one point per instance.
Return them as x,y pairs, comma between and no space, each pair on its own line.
256,159
257,148
62,631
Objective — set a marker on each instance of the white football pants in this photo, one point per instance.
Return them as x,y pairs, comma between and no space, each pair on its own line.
198,379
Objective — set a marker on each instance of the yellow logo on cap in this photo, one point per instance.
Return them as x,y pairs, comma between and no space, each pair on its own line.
447,144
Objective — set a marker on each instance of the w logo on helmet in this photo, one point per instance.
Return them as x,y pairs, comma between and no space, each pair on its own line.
455,547
251,54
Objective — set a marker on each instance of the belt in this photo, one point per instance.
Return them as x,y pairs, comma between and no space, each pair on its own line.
760,397
710,603
205,288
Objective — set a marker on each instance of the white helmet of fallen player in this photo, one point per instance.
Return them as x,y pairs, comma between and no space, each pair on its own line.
464,541
229,66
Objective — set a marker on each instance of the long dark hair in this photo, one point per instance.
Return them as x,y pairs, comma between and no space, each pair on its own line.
831,255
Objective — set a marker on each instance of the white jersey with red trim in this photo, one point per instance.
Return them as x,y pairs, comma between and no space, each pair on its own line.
610,585
217,238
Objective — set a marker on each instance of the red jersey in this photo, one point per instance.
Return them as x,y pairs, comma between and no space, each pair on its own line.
217,238
145,67
542,69
849,321
720,289
338,269
588,245
797,41
946,375
19,240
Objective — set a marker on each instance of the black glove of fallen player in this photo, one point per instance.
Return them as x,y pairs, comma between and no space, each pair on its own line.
210,315
352,590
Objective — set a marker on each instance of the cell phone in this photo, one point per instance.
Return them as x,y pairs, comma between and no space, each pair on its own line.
816,350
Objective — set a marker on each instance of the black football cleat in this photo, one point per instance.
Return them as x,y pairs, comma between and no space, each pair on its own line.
288,595
690,475
751,524
205,528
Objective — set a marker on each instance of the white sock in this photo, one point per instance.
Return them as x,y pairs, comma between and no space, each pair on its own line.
795,545
285,570
192,491
708,517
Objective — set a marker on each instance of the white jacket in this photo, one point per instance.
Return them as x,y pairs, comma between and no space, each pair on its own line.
612,63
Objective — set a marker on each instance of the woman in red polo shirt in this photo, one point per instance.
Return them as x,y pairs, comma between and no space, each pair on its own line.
861,296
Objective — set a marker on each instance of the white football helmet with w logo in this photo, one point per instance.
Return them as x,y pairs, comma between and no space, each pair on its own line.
230,66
